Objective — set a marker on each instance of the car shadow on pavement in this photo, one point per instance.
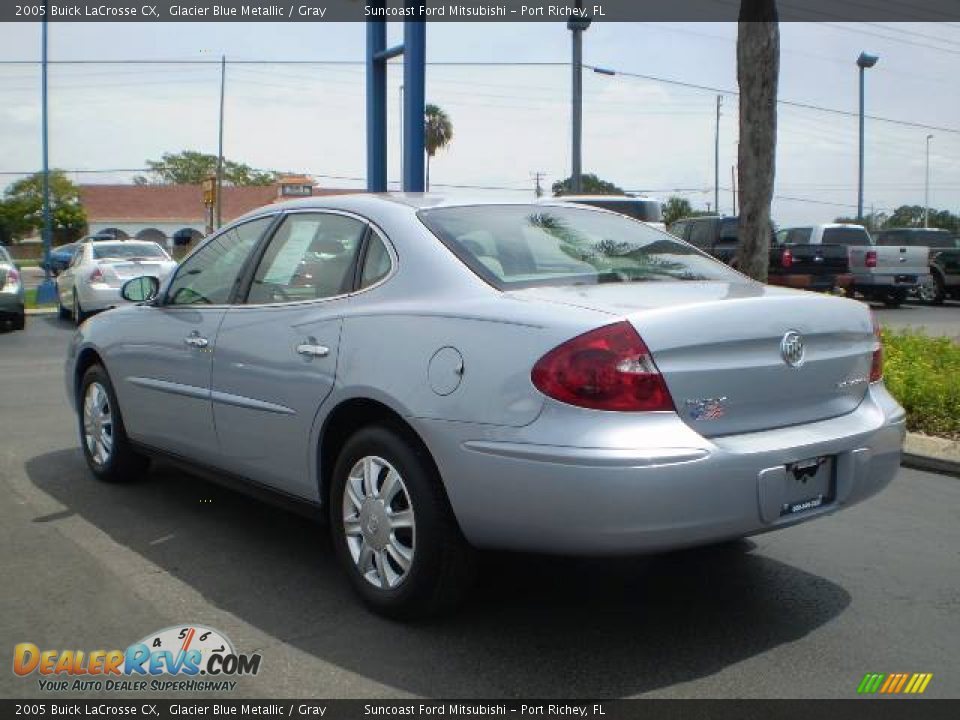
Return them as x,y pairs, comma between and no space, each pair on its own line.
535,627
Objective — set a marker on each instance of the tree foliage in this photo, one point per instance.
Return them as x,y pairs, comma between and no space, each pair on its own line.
677,207
907,216
21,211
189,167
590,185
438,132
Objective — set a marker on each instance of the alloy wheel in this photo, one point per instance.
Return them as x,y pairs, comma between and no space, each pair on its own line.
98,423
379,522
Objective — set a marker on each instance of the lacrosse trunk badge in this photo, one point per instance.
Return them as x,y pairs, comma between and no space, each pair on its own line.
791,349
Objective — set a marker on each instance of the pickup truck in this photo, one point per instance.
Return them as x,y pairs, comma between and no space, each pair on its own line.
811,268
883,274
944,259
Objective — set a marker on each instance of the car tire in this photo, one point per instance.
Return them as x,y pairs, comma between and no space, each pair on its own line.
106,448
78,314
20,322
418,567
62,312
894,299
933,291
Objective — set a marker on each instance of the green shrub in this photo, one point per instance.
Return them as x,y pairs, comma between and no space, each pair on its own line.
923,374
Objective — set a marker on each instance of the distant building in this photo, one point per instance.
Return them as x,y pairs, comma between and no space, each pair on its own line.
175,213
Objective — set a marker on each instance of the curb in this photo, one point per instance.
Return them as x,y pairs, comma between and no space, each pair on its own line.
922,452
41,311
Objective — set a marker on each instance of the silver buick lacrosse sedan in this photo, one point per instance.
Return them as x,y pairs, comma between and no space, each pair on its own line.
443,377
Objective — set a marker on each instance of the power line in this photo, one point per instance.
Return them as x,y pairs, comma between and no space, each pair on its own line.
789,103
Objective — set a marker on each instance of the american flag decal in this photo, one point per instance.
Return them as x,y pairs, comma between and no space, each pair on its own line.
707,409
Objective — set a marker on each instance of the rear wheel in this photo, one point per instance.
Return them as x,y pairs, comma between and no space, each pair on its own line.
393,529
20,322
107,450
62,312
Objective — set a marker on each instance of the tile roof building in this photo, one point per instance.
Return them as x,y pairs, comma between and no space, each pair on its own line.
176,213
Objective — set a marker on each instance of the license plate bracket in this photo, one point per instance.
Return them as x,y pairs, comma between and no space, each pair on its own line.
810,484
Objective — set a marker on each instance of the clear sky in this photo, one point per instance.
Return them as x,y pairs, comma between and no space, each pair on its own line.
509,121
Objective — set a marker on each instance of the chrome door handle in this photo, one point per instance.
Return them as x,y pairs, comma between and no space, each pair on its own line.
196,341
313,350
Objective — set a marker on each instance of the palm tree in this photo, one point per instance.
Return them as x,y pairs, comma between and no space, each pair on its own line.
758,72
438,133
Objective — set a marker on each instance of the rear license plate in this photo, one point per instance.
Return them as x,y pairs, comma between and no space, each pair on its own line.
909,279
810,484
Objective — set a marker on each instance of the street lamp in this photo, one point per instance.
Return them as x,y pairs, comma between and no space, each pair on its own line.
576,25
866,60
926,188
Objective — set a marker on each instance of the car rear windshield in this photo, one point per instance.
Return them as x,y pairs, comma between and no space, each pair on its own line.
517,246
127,251
646,210
846,236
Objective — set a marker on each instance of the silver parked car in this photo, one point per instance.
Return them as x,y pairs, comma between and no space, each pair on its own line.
444,376
92,280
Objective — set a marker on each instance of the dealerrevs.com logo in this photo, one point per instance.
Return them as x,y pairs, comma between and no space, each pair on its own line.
179,658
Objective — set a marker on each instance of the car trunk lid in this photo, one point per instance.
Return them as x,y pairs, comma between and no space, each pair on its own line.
719,348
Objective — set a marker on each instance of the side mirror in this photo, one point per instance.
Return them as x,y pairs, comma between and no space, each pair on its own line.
140,289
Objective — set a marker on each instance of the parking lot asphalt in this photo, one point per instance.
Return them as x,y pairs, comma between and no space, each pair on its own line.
804,612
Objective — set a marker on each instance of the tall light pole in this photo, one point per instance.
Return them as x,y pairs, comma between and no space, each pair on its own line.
576,25
219,197
46,292
926,188
716,159
865,61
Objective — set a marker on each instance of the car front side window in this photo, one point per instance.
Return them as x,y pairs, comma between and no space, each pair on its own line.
311,257
209,276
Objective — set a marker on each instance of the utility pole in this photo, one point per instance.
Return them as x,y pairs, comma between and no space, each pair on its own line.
401,135
538,188
716,160
219,198
576,25
926,188
865,61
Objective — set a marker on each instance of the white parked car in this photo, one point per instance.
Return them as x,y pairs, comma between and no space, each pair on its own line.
92,280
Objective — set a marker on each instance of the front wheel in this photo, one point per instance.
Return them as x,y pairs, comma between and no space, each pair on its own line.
106,448
931,290
393,529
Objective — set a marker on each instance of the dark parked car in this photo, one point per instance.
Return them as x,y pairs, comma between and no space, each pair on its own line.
11,292
60,257
944,247
809,267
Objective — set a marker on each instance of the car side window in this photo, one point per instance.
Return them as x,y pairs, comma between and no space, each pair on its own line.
209,276
799,236
376,263
312,256
77,256
700,235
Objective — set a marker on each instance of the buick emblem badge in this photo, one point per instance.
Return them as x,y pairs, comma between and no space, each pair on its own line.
791,348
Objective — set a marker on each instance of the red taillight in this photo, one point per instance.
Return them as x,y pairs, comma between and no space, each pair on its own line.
870,259
876,364
96,276
786,259
13,277
609,368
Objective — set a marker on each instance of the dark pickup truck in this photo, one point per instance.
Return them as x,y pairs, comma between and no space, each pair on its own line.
810,267
944,280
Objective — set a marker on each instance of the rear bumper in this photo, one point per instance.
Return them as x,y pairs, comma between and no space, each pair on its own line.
812,282
645,484
887,281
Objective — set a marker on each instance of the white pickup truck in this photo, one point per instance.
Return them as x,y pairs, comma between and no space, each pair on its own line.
881,273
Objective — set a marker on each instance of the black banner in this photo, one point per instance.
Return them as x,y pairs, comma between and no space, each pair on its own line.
466,10
887,709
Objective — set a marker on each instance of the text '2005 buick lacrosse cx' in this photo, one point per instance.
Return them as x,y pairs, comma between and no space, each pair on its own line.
444,377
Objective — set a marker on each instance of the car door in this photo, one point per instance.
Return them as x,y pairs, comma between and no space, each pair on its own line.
165,350
276,355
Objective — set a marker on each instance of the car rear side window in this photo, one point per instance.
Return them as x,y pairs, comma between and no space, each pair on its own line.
312,256
210,275
516,246
376,263
846,236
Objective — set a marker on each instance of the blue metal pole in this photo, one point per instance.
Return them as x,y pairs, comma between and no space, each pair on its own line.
46,292
860,178
376,106
414,101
